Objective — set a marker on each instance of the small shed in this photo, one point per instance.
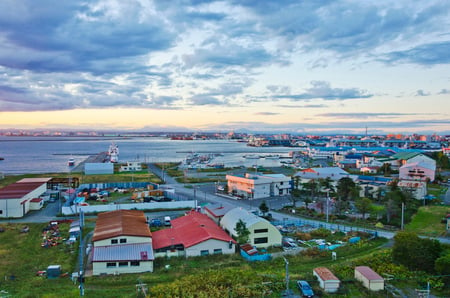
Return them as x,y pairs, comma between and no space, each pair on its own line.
327,280
53,271
369,278
36,203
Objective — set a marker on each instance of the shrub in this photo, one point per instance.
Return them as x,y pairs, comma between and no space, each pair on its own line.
320,233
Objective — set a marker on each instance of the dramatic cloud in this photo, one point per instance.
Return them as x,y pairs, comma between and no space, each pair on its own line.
248,57
323,90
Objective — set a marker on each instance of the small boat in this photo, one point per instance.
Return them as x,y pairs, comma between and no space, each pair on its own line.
1,158
71,162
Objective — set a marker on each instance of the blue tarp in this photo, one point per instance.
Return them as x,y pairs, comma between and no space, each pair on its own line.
258,257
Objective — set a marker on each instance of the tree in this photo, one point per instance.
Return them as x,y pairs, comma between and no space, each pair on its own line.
415,253
386,169
309,190
442,267
345,190
363,206
295,196
264,208
242,232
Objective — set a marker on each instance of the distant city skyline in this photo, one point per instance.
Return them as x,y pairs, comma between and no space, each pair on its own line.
314,67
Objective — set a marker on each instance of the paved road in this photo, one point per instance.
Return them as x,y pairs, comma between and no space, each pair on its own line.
205,193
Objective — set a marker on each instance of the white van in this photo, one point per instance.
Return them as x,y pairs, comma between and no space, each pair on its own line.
167,221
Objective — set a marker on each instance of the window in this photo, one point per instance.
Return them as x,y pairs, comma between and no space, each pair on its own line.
114,241
123,264
123,240
261,240
1,211
111,264
217,251
204,252
134,263
261,231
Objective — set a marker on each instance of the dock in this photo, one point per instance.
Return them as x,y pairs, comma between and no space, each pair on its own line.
98,158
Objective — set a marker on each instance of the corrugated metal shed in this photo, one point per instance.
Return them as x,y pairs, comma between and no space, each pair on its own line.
121,223
18,190
125,252
325,274
368,273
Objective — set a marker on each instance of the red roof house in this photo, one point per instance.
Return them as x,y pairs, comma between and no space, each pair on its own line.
192,235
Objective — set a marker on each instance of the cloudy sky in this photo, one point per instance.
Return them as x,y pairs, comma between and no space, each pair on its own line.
316,66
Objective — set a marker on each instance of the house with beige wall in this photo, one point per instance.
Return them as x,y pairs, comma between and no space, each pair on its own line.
122,243
262,232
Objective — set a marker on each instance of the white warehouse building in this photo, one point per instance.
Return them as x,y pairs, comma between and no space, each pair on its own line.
258,186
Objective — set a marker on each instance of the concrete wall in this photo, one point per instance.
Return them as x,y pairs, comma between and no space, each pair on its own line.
138,206
210,245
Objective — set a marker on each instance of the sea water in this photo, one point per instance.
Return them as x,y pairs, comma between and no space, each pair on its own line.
51,154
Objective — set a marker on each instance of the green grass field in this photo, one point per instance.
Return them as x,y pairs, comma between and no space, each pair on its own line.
427,221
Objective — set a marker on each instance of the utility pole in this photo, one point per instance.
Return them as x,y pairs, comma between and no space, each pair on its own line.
81,255
287,275
403,215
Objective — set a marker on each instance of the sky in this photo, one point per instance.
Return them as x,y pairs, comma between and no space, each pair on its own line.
291,66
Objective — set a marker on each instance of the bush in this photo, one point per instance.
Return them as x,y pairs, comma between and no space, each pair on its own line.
320,233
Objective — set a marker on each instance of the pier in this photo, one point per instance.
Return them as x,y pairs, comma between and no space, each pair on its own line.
98,158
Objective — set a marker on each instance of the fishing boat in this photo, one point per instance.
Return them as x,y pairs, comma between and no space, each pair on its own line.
71,162
113,152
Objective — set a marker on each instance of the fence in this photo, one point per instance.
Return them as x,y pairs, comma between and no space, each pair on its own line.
74,209
306,225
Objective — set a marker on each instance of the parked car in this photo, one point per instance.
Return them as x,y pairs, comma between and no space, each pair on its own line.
289,242
305,288
167,221
155,222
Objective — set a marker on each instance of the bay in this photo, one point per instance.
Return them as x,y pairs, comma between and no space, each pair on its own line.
24,155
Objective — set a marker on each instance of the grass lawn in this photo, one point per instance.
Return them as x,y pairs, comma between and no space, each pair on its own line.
427,221
21,257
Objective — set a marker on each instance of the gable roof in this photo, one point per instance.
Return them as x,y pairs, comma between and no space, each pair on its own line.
419,164
368,273
335,173
230,219
405,155
325,274
121,223
218,210
189,230
19,189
